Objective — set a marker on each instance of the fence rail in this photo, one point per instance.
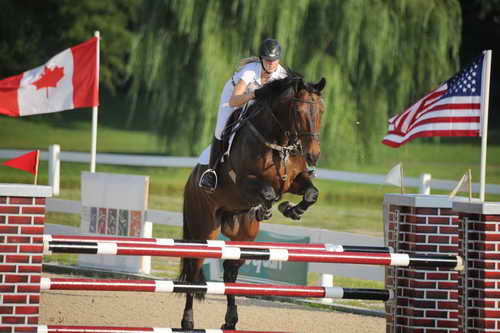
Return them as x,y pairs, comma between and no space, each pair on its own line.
188,162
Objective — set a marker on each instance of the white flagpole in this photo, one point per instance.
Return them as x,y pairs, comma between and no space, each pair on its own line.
93,148
402,179
485,95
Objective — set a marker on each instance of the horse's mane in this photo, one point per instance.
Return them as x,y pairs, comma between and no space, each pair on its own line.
277,88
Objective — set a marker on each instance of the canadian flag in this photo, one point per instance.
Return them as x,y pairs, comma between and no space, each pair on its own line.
67,81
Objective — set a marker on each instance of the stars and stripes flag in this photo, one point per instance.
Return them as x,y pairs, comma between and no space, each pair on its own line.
453,109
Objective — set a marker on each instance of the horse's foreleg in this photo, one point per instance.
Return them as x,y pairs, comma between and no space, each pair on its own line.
302,185
231,268
262,193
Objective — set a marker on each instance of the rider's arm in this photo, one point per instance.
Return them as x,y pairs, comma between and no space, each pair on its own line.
240,97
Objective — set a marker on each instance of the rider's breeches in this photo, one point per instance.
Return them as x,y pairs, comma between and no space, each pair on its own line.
225,110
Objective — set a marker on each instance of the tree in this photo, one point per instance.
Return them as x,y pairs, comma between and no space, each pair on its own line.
481,31
375,65
50,26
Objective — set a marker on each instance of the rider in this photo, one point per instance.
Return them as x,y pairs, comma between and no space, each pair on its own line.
239,90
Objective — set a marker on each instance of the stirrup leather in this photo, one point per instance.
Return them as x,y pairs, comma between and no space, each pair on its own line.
208,188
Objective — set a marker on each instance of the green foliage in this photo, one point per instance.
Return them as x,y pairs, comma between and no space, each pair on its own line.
33,31
378,56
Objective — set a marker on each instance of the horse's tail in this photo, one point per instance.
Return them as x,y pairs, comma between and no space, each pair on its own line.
190,270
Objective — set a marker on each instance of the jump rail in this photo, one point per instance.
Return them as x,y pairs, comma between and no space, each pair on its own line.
221,243
217,288
236,253
114,329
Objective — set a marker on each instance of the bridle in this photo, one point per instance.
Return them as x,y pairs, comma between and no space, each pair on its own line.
293,137
295,146
315,132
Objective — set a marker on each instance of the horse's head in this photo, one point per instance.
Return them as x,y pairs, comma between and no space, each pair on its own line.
296,109
306,109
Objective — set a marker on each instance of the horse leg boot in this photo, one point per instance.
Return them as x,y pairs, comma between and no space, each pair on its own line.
187,322
208,179
310,193
264,210
231,268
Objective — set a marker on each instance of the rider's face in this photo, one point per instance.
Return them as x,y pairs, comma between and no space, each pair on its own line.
270,66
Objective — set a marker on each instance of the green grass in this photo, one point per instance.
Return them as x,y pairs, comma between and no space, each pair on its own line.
22,133
342,206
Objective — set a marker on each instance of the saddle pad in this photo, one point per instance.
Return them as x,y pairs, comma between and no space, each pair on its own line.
204,157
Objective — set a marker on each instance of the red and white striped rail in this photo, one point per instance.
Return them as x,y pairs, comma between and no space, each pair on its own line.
116,329
217,288
236,253
218,243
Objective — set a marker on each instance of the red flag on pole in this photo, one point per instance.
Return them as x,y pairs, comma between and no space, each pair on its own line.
27,162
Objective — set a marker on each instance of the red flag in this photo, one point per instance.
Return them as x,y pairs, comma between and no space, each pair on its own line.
69,80
27,162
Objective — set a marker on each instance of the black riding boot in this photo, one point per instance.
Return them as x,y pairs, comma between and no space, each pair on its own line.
208,180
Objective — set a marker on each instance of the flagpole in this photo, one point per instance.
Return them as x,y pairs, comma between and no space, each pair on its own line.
402,179
469,187
93,148
36,165
485,96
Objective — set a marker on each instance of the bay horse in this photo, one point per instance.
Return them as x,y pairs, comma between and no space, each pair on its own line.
270,155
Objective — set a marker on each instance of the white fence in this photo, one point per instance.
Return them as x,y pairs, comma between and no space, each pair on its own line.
157,217
424,183
54,155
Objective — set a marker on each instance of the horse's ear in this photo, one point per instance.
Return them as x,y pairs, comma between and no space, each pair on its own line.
320,85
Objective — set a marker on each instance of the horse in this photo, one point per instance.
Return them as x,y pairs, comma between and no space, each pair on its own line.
271,154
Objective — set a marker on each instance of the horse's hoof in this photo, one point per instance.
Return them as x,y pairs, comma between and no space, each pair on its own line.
284,207
263,214
227,326
293,212
187,325
296,213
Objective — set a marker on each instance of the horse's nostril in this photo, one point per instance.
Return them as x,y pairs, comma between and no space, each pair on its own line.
311,159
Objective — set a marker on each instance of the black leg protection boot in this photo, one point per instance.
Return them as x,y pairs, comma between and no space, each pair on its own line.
208,179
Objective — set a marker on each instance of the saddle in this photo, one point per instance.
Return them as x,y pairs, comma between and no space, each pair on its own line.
236,121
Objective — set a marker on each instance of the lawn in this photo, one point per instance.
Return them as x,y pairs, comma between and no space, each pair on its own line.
342,206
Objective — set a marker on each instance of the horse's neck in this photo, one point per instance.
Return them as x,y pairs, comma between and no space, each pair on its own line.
272,127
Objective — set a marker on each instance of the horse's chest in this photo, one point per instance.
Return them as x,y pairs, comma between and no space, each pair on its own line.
281,172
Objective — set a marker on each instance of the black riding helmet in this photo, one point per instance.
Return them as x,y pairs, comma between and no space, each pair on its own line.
270,50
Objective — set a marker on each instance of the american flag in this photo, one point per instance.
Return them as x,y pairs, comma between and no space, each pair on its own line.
453,109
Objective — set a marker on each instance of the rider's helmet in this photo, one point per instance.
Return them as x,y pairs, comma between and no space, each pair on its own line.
270,50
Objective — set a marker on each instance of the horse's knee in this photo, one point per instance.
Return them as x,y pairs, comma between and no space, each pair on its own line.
268,193
311,195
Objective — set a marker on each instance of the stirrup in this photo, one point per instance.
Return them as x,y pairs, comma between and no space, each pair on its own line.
209,189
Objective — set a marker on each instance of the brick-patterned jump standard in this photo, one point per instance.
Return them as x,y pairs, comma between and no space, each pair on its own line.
479,283
22,213
426,300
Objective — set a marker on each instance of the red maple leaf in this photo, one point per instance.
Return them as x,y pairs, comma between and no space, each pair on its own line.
49,78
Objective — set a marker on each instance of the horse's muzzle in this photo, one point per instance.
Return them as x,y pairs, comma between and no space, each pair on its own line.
312,159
